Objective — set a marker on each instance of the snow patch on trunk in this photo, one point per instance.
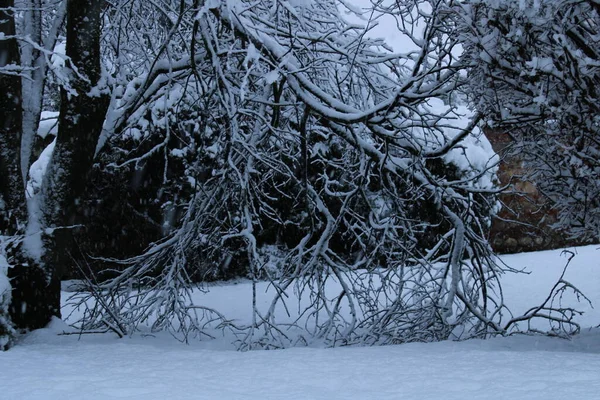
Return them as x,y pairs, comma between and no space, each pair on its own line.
32,243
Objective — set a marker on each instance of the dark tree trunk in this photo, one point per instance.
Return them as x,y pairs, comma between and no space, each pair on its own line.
13,214
31,291
12,196
35,295
80,124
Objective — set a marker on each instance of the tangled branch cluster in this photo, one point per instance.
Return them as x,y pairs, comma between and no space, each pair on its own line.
320,161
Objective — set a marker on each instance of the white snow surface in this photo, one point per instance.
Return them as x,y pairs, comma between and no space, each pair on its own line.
48,124
47,365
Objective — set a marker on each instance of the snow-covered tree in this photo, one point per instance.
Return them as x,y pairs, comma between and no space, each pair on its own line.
291,145
12,204
36,267
534,73
314,154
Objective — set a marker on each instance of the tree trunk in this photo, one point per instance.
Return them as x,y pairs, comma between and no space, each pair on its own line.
12,195
29,285
82,115
31,292
14,210
33,87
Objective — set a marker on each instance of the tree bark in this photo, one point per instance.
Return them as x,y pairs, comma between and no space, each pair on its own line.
32,292
12,195
29,285
82,115
33,87
13,211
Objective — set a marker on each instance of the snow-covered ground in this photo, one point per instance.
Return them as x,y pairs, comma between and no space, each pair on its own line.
47,365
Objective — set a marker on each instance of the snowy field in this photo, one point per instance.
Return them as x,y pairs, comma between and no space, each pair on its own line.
49,365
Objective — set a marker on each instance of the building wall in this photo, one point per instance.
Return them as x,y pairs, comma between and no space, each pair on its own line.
525,220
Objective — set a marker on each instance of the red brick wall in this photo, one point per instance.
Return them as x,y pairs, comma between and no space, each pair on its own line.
523,223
